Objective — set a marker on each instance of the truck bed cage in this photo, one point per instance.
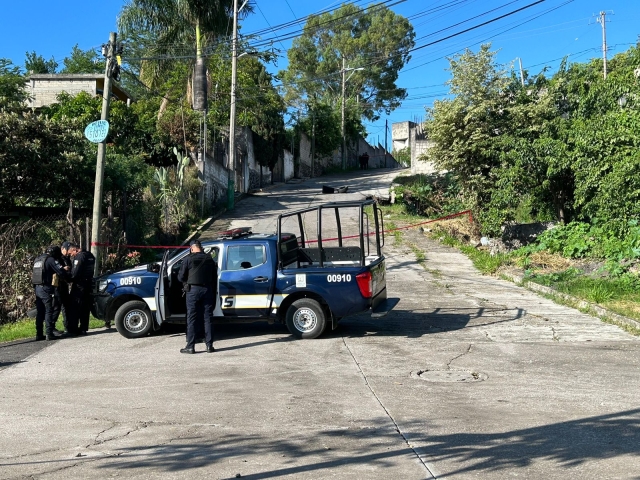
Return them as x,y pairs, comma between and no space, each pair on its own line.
297,248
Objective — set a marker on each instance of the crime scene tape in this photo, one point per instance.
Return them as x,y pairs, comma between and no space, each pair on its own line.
170,247
406,227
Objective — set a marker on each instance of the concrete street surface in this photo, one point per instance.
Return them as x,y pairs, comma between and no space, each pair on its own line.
468,377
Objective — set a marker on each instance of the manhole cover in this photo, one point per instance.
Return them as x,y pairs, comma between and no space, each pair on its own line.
449,376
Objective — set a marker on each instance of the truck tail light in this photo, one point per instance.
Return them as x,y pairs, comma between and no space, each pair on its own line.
364,284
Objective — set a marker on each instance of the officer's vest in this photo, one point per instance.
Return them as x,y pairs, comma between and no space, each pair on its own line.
200,270
88,264
37,276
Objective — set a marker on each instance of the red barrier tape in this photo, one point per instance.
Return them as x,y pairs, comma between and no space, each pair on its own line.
453,215
170,247
165,247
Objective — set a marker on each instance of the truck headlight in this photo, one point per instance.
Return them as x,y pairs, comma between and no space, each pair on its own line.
102,285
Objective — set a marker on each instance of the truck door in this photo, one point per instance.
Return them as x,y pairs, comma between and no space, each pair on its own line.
246,276
160,296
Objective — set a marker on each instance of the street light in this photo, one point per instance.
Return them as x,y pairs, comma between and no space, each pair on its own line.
344,83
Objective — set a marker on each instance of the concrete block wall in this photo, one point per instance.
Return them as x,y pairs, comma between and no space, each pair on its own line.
409,134
43,92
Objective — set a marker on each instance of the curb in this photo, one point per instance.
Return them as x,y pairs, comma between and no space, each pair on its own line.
579,303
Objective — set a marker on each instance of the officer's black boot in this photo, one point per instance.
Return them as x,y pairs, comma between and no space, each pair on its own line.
188,350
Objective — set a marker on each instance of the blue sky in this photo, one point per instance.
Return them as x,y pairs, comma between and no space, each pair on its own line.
562,27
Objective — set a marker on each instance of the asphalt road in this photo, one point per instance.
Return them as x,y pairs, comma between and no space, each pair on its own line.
468,377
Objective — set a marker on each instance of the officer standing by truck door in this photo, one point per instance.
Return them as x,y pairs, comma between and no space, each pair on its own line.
199,276
80,296
44,268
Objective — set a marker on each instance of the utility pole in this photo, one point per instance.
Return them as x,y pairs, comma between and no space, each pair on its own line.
521,72
232,115
313,139
602,19
386,128
108,52
344,139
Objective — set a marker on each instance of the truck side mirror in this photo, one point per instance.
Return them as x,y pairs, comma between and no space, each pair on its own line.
153,267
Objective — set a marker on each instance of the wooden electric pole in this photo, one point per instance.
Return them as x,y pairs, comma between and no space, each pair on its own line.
102,150
232,115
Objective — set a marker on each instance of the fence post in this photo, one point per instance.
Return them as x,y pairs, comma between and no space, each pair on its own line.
87,228
71,232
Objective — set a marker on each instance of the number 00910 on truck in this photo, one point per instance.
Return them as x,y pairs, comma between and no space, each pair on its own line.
322,264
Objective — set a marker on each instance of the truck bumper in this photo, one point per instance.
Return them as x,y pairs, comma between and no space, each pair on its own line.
100,305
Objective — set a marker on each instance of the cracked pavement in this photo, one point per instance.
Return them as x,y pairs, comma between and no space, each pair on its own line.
509,385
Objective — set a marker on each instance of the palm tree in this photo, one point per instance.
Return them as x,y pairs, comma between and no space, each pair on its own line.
175,26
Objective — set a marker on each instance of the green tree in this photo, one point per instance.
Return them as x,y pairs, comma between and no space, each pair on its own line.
327,128
13,93
36,64
43,162
464,129
175,28
375,39
83,61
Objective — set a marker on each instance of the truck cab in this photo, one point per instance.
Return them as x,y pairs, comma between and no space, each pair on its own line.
308,275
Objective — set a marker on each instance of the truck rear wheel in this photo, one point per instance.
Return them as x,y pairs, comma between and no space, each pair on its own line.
306,319
133,319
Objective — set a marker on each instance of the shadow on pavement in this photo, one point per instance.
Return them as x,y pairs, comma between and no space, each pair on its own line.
568,445
416,323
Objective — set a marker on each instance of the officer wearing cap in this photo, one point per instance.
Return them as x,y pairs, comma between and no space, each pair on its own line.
44,268
199,277
80,295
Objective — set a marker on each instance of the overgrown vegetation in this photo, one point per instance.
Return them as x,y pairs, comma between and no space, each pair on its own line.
431,196
587,261
564,147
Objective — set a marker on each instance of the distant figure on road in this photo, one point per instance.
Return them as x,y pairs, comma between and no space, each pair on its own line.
364,161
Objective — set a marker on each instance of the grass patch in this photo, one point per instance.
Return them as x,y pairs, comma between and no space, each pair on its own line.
482,260
27,328
617,294
397,234
420,257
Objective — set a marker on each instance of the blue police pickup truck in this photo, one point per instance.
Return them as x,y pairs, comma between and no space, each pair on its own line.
322,264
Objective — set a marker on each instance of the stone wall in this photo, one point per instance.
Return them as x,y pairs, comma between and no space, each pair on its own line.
288,163
216,178
377,158
354,150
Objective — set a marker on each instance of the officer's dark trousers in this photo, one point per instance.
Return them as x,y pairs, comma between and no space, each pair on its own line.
62,296
200,303
80,306
48,310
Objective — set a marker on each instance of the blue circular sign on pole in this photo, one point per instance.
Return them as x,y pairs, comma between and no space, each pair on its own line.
97,131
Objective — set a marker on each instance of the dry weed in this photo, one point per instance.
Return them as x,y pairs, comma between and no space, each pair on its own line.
551,262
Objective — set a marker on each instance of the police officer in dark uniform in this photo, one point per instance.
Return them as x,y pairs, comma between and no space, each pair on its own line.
199,276
47,308
62,292
80,295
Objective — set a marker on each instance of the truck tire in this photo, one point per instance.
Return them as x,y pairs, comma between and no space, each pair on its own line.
306,318
133,319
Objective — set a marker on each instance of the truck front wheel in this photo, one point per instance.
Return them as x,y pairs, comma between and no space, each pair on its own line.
306,319
133,319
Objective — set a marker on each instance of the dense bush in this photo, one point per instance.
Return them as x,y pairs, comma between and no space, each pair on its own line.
433,196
